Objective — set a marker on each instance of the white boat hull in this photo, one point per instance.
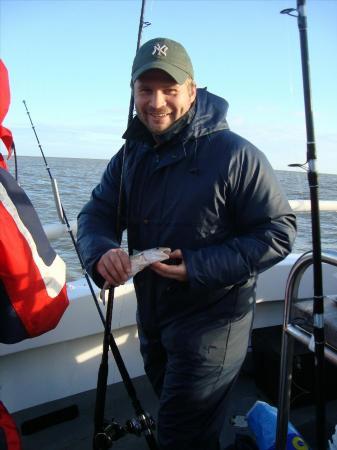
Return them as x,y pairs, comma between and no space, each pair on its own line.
65,361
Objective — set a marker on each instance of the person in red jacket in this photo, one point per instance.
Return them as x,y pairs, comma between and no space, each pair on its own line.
5,134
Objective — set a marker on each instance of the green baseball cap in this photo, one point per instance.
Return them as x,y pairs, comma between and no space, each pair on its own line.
164,54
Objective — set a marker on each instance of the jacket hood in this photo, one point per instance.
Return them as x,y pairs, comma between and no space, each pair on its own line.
207,115
210,114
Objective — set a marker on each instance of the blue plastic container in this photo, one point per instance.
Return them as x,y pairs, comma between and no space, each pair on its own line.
262,419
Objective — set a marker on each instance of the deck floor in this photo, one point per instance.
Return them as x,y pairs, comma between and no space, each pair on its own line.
76,434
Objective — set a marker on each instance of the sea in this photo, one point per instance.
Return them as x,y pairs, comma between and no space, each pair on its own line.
76,177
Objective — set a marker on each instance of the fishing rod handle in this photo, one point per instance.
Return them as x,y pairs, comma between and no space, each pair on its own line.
102,378
151,441
101,396
57,200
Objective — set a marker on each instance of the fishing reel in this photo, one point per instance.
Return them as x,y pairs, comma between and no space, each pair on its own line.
113,431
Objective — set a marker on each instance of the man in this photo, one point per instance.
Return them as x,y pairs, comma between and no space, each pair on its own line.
192,185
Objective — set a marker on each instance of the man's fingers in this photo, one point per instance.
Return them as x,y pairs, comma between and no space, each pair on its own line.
164,270
173,271
176,254
176,272
124,260
114,266
109,277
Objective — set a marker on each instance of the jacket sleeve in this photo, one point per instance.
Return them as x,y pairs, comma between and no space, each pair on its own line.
97,221
264,226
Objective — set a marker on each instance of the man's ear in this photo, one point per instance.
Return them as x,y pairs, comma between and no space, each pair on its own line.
193,91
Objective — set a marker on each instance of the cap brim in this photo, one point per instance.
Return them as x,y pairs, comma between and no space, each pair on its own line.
180,76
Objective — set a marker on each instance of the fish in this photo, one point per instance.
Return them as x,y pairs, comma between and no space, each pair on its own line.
139,260
142,259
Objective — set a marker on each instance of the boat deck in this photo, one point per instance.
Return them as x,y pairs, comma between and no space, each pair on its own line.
76,434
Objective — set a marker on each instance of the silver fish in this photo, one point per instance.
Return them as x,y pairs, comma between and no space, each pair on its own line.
140,260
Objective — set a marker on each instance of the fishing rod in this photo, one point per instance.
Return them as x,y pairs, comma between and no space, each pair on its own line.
143,423
16,173
312,175
103,435
59,207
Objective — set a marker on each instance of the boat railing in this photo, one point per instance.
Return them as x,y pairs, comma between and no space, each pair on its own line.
57,230
305,205
298,326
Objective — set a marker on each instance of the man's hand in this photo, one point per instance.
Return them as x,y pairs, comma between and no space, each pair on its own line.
176,272
114,266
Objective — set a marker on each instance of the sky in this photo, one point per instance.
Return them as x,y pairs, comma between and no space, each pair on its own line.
70,60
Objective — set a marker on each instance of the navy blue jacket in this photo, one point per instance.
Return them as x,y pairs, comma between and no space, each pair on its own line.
204,190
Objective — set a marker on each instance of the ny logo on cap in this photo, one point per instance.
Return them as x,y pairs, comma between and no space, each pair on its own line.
160,50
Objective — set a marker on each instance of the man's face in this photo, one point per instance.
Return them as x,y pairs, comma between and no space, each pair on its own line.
160,101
